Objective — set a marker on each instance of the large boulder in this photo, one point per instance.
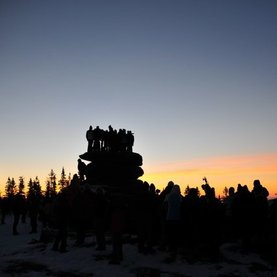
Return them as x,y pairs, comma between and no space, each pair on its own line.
119,170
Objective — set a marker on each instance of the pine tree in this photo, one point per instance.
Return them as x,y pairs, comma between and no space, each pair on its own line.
48,189
21,185
30,187
225,192
63,182
69,178
34,188
37,187
10,188
52,183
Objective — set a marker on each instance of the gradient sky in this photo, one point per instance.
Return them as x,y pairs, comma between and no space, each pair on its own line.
194,80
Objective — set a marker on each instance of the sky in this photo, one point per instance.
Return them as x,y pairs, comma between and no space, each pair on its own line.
195,81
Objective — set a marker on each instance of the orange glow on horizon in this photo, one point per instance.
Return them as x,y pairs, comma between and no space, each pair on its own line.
220,172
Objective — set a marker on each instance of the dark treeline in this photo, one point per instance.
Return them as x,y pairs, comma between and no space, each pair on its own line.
22,200
192,225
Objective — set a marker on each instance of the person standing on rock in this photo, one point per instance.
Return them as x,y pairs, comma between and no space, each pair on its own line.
89,136
82,169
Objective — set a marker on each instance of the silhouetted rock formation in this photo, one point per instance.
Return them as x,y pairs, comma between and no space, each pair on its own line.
114,164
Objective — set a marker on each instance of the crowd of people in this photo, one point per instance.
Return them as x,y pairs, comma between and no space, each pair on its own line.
109,140
156,220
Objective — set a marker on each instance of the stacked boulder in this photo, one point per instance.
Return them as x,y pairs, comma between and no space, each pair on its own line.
115,169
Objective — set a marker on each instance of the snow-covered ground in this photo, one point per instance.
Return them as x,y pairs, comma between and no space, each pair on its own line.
24,255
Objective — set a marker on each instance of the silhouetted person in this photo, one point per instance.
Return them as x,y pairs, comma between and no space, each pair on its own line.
110,139
17,206
130,141
154,232
105,140
81,169
146,218
163,211
61,213
89,136
33,207
100,218
273,226
167,190
73,188
123,142
212,218
113,139
173,201
191,221
82,212
261,209
46,212
242,210
4,209
229,217
24,209
97,139
118,227
143,216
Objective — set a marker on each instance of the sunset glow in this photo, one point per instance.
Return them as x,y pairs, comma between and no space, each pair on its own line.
220,172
